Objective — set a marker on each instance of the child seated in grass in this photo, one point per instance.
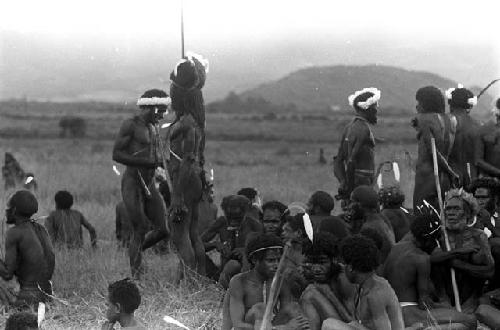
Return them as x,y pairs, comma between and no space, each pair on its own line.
123,299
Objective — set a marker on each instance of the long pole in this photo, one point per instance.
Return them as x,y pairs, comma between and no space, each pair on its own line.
486,88
182,28
443,227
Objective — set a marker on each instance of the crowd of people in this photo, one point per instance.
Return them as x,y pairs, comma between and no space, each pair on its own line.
376,265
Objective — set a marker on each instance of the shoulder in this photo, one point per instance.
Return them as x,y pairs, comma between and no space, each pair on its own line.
219,222
187,120
129,123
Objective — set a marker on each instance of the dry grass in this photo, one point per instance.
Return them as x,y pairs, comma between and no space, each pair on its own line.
85,168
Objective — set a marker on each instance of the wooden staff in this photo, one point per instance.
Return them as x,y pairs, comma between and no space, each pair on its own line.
164,158
182,29
443,227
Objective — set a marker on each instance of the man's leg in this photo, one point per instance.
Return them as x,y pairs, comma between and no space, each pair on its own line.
156,212
182,240
440,316
133,198
198,247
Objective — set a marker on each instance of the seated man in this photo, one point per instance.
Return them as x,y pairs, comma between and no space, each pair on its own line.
245,300
253,195
272,213
470,254
122,301
28,252
392,199
408,269
65,225
320,207
233,230
22,321
376,306
329,291
487,191
364,213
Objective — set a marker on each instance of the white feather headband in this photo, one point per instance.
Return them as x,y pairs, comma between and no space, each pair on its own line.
189,58
154,101
471,101
369,102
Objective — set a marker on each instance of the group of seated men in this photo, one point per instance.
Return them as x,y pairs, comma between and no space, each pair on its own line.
375,266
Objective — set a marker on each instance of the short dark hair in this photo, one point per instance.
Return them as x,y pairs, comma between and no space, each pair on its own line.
63,199
366,196
125,293
21,321
391,197
274,205
323,243
324,200
257,245
431,99
425,226
460,98
360,252
374,236
248,192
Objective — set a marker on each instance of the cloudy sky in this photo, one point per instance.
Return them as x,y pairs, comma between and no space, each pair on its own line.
423,26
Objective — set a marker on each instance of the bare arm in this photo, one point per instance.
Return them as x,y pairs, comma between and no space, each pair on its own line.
118,223
423,264
50,227
237,305
120,152
8,268
90,228
386,315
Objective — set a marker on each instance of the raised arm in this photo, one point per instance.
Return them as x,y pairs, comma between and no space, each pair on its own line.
120,149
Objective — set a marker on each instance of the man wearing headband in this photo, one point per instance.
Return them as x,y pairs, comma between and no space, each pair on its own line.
461,101
248,292
488,146
431,122
354,164
137,147
470,253
408,270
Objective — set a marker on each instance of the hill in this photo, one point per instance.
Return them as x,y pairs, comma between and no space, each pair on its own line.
326,88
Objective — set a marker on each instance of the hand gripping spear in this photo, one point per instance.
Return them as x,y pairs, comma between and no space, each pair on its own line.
443,227
279,276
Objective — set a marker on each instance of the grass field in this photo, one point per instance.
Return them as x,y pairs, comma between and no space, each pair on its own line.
284,168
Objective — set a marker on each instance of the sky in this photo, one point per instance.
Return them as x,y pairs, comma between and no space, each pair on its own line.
232,25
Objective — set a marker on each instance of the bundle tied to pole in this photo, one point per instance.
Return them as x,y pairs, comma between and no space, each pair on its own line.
443,227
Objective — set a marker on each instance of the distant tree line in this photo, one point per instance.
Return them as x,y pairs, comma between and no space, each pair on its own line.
235,104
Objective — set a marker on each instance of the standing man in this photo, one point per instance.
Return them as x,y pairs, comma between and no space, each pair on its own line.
431,122
137,148
461,101
488,146
28,252
354,164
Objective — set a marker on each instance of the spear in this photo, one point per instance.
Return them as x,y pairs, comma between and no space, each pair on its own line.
182,29
443,227
486,88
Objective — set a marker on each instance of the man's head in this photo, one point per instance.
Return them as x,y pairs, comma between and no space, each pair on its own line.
22,204
63,199
460,98
430,100
365,102
320,263
425,229
363,199
251,193
271,217
391,197
235,207
264,253
293,228
360,255
22,321
459,208
153,104
486,192
123,299
320,203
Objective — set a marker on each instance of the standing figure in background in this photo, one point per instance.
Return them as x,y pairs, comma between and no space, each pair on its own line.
488,146
137,147
13,174
354,164
186,141
462,157
432,122
253,195
65,225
